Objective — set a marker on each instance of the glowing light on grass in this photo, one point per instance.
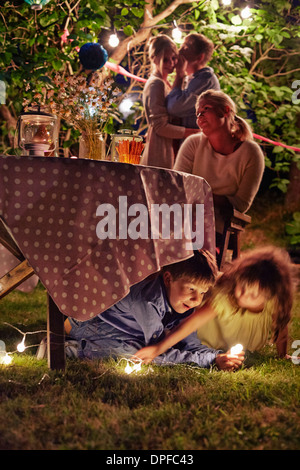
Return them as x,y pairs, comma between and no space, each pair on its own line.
7,359
21,346
135,368
237,349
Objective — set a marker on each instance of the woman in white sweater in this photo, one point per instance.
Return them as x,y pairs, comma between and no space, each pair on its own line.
224,154
158,151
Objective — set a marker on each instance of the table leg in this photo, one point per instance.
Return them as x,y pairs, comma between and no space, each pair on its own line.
55,336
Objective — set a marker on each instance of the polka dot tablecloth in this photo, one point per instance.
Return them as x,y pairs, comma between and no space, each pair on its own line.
85,226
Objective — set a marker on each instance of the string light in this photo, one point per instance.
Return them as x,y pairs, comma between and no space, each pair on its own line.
6,360
237,349
246,13
113,40
176,32
21,346
135,368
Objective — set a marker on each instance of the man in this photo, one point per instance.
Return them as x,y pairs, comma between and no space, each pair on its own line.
193,76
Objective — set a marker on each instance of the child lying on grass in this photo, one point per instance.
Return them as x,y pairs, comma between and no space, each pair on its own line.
154,305
252,298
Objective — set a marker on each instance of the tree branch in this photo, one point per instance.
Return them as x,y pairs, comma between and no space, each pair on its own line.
145,29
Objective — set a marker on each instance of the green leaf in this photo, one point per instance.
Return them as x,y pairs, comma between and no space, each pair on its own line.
124,11
236,20
128,30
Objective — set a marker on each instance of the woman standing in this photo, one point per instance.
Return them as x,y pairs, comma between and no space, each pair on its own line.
158,151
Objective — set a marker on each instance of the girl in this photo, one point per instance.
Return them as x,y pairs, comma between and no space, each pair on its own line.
158,151
224,154
253,297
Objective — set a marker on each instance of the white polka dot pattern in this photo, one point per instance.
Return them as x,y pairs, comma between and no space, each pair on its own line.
50,206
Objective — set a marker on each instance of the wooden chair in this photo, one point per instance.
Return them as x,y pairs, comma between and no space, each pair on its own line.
55,319
234,226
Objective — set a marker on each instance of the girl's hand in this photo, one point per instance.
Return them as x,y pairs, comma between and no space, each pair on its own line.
229,361
147,354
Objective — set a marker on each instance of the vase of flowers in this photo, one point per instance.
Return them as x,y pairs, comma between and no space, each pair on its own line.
86,102
92,145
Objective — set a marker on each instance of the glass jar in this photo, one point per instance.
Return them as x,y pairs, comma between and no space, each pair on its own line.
126,147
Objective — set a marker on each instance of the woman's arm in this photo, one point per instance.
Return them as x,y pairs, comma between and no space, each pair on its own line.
198,318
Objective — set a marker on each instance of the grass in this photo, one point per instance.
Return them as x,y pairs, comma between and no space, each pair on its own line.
96,406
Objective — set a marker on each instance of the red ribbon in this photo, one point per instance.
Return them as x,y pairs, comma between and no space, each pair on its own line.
118,69
256,136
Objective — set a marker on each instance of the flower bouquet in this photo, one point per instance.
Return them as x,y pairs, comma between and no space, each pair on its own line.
86,103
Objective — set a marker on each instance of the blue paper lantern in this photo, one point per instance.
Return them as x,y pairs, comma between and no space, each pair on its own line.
37,4
92,56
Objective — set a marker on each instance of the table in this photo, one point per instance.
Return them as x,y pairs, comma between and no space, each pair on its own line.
90,229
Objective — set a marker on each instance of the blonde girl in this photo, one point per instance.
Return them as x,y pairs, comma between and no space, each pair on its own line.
252,299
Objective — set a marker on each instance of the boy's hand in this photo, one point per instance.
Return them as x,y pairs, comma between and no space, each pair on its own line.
229,361
146,355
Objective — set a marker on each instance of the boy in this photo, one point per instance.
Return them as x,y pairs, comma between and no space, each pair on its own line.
152,306
193,76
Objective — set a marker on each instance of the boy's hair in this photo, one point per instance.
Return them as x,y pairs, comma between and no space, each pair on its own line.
271,268
202,267
201,45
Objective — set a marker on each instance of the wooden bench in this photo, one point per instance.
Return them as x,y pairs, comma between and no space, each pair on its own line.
55,319
234,225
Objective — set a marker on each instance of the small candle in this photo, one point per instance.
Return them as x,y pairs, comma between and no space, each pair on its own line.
237,349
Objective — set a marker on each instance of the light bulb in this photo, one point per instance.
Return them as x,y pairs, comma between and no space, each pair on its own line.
237,349
125,106
113,40
6,360
246,13
128,369
177,34
21,346
137,367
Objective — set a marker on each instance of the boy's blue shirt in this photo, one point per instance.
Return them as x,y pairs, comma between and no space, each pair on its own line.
139,317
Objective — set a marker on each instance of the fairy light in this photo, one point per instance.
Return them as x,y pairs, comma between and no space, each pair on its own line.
21,346
237,349
176,32
6,360
135,368
113,40
246,13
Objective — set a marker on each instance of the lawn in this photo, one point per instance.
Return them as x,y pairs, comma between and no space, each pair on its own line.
97,406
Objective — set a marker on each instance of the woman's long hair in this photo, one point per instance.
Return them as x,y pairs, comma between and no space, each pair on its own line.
271,268
222,103
157,45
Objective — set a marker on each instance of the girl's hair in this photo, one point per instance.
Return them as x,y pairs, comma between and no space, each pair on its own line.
201,267
157,46
201,45
271,268
222,104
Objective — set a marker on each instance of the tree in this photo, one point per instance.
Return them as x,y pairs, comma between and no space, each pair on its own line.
256,59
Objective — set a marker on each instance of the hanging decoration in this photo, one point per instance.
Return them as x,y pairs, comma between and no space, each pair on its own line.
37,4
92,56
